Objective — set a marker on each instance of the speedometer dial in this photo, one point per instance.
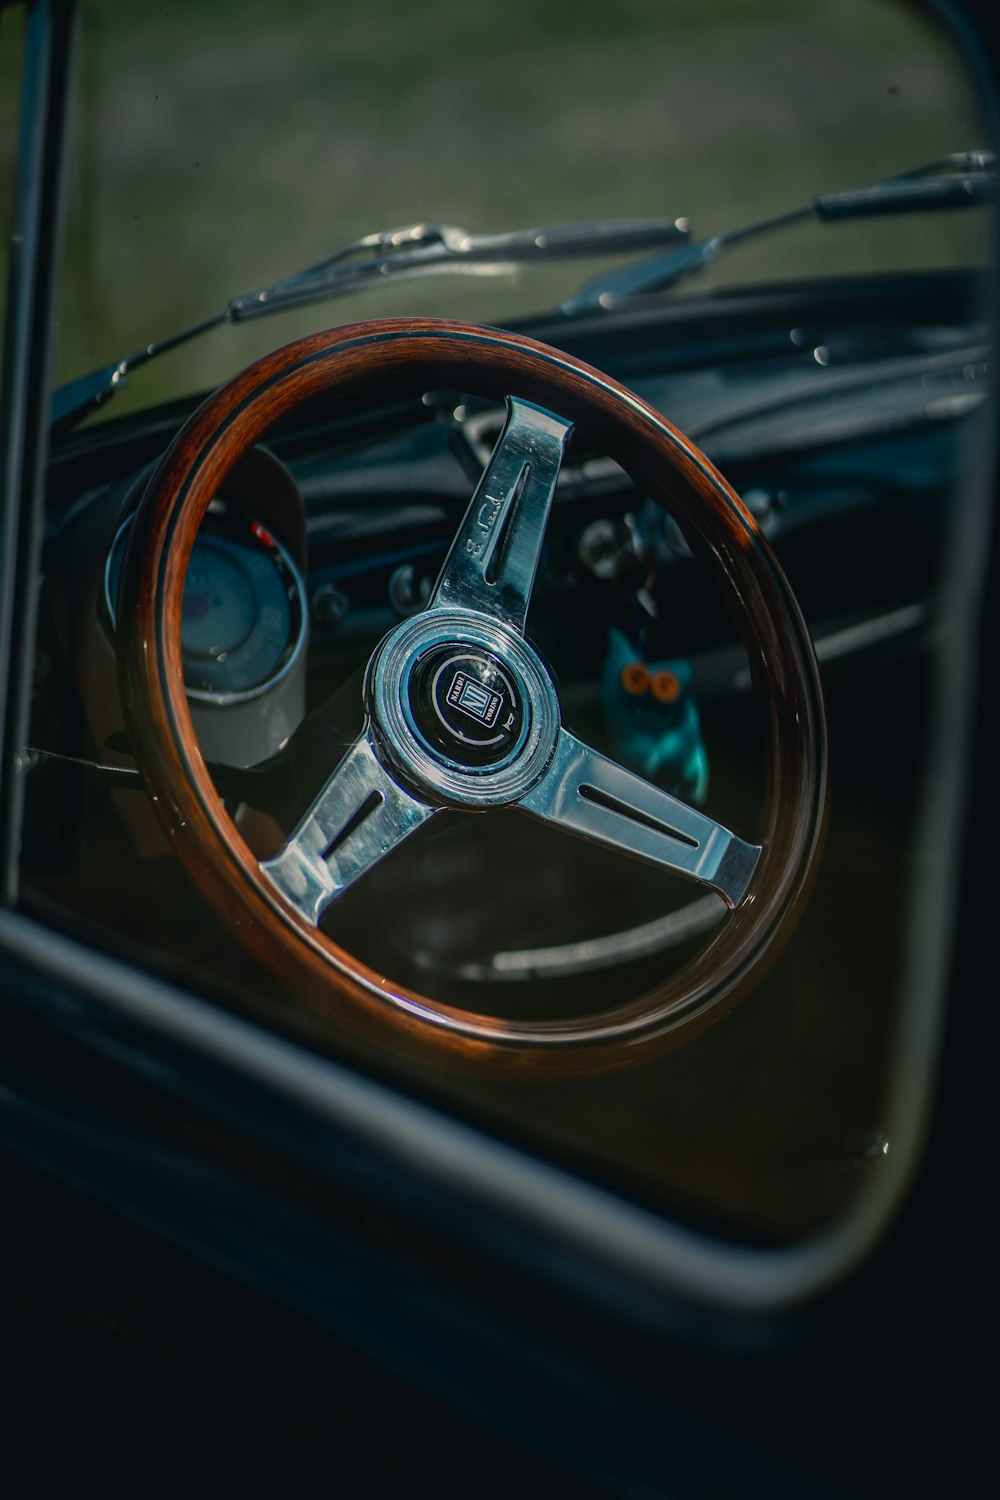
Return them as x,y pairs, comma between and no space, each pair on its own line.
243,617
220,608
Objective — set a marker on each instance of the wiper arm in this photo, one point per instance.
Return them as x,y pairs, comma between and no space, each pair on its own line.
419,249
964,180
413,250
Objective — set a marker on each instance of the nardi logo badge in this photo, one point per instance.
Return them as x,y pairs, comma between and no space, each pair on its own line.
475,700
465,703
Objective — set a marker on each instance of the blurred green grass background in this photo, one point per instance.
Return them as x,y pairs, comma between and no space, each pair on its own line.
219,145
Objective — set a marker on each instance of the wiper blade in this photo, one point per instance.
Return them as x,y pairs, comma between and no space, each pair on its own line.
413,250
966,179
419,249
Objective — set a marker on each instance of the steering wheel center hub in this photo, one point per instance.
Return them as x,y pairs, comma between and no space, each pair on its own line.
463,708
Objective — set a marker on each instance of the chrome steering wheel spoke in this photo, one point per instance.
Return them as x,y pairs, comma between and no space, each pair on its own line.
359,817
493,560
467,726
593,797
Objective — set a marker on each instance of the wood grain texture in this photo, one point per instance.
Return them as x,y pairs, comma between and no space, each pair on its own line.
422,354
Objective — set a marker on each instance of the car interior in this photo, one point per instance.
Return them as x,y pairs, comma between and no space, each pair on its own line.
494,758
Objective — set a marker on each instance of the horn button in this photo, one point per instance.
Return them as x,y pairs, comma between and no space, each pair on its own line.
466,706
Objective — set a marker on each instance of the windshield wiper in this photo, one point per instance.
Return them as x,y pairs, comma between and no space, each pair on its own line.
397,254
964,180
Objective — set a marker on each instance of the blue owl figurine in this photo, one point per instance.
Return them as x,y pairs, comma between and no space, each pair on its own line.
652,719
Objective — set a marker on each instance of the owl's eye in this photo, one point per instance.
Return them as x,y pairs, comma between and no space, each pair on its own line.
635,679
666,686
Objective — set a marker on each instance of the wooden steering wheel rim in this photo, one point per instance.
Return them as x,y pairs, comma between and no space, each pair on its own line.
428,353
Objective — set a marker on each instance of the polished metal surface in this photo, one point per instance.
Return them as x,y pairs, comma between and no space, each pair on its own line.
966,179
358,817
463,713
587,794
434,773
493,560
420,249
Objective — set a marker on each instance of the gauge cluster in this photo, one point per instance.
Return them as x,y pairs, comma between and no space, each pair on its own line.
244,617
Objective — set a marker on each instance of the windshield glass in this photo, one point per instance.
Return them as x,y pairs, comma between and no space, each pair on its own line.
220,147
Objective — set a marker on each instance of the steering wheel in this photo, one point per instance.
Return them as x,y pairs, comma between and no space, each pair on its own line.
462,713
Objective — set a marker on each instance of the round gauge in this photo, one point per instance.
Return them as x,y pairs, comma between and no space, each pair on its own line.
243,619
